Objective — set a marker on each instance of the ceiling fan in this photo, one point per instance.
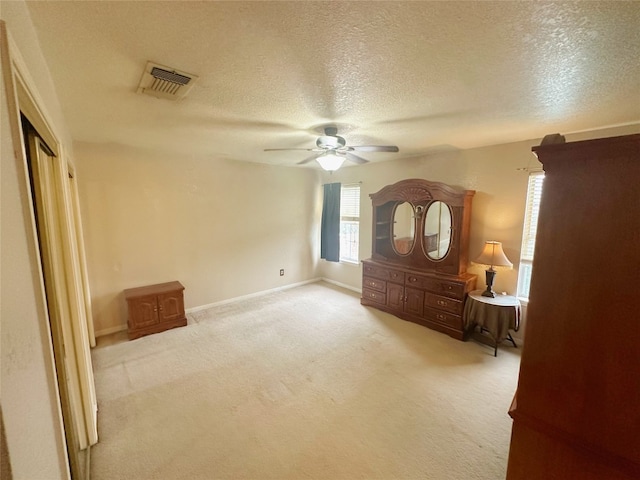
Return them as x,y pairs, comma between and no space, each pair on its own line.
332,150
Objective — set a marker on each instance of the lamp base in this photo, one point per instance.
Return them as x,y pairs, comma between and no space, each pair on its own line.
490,274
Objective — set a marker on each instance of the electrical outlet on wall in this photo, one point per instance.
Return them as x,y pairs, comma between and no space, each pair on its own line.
282,272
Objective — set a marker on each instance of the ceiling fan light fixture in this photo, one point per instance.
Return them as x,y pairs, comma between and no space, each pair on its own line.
330,161
333,151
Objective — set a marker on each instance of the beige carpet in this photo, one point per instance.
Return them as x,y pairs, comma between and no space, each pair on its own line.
302,384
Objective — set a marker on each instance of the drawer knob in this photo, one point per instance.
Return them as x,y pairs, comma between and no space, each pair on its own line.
413,279
440,316
442,303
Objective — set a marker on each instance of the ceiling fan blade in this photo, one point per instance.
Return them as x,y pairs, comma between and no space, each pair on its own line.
374,148
355,158
309,159
282,149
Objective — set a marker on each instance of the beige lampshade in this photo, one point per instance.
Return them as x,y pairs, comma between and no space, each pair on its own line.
493,256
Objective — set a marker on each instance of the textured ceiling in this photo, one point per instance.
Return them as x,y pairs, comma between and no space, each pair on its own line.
421,75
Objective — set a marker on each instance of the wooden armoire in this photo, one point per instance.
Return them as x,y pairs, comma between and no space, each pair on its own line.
420,243
576,413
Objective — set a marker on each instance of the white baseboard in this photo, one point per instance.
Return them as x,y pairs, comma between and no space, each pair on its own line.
343,285
110,330
251,295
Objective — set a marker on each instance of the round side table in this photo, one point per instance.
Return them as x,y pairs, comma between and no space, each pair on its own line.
494,315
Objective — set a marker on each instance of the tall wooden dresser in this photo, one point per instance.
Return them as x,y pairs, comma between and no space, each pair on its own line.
576,413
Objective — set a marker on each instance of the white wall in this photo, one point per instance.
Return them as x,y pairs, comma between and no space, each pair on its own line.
224,229
29,398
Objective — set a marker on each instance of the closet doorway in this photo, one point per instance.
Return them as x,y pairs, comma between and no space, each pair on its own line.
64,277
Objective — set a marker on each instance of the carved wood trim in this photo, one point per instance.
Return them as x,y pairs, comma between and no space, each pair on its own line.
417,190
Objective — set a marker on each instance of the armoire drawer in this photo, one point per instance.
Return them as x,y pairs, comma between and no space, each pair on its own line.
454,321
449,289
374,296
396,276
443,303
441,287
374,284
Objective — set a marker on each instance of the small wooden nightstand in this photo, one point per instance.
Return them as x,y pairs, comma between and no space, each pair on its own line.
494,315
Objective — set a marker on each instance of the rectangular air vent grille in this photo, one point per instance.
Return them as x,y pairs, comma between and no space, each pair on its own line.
165,82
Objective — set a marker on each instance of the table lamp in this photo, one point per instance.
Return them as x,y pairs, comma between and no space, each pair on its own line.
493,257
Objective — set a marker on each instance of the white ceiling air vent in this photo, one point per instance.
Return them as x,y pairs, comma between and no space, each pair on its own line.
165,82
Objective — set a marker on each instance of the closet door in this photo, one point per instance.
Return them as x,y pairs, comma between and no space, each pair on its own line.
65,305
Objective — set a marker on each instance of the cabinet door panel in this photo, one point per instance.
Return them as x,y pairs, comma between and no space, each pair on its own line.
171,306
143,311
395,296
415,301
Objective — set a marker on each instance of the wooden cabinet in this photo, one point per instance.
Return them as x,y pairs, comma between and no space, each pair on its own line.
420,254
155,308
576,412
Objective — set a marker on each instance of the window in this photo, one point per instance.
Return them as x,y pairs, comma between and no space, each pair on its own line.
534,194
349,222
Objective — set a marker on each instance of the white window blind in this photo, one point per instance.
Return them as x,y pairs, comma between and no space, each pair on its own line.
534,195
349,222
350,202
